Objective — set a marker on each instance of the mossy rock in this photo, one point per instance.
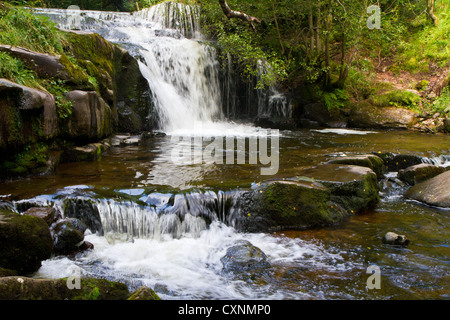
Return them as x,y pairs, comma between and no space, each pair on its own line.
7,273
419,173
21,288
25,241
144,293
283,205
355,188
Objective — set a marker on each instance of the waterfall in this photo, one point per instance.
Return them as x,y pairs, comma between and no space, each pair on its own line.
183,72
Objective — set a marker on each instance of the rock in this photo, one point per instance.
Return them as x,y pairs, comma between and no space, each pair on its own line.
144,293
85,211
90,152
25,241
86,245
369,161
396,162
45,65
7,273
26,114
91,117
68,235
419,173
244,257
434,192
281,205
22,288
392,238
132,141
447,125
355,188
48,214
366,116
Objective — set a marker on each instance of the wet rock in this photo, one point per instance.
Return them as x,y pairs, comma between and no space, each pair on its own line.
392,238
281,205
369,161
397,162
68,235
419,173
354,188
25,241
132,141
91,117
144,293
90,152
48,214
434,192
22,288
244,257
86,211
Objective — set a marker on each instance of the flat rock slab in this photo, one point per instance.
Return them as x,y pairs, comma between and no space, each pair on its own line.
419,173
434,192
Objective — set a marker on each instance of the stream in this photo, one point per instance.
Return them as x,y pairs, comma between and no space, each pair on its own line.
167,224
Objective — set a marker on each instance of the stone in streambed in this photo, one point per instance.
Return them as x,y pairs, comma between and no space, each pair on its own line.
25,241
144,293
434,192
244,257
392,238
22,288
282,205
68,236
419,173
355,188
49,214
369,161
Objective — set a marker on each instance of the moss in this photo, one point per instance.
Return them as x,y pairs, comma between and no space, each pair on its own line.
100,289
76,74
397,98
144,293
297,204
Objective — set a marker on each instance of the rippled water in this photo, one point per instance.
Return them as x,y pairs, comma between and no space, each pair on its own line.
184,263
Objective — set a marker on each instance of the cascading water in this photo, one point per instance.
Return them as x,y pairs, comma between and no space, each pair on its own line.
182,71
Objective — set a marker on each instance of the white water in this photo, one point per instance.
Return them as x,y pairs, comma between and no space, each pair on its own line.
182,71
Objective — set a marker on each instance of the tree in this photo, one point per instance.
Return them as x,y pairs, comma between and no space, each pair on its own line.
239,15
430,12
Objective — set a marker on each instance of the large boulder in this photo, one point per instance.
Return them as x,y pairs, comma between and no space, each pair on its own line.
364,115
91,117
434,192
26,114
25,241
48,214
355,188
396,162
282,205
21,288
419,173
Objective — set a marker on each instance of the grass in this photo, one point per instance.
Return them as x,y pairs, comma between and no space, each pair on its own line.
431,45
16,71
19,27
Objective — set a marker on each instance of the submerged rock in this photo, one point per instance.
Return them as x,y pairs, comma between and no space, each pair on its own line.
25,241
434,192
392,238
244,257
22,288
419,173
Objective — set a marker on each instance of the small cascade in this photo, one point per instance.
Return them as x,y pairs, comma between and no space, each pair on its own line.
440,161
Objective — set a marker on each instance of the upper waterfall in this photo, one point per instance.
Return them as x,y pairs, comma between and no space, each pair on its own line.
183,73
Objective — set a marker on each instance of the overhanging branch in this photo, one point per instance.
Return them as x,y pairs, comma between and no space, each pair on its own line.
238,15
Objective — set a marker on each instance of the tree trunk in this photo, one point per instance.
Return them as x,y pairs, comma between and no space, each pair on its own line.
430,12
311,31
238,15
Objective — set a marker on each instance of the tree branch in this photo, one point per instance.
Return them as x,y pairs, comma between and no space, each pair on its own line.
238,15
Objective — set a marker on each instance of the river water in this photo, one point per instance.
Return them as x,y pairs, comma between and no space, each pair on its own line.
165,222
